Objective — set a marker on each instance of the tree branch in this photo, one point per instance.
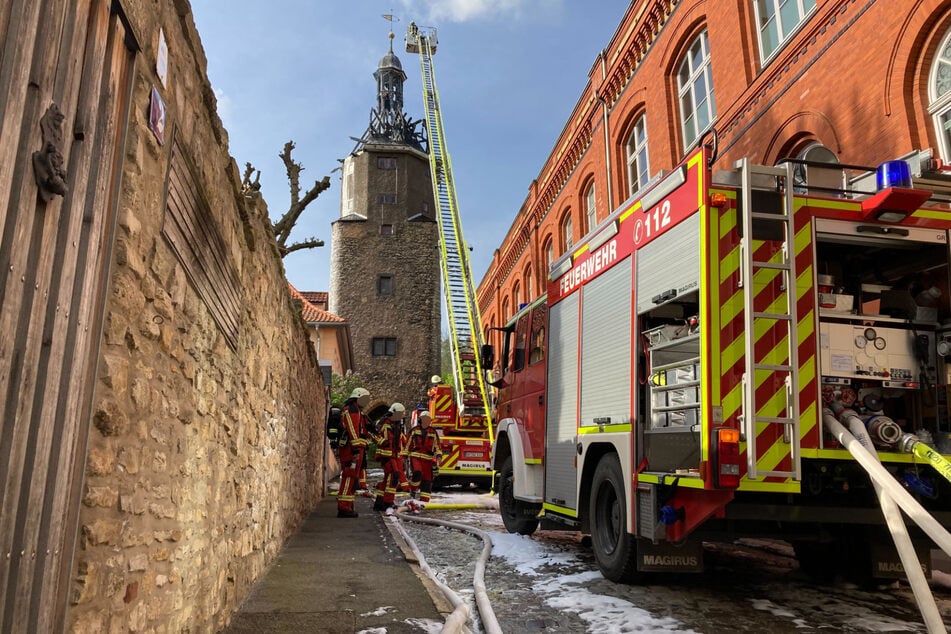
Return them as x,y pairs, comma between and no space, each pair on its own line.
310,243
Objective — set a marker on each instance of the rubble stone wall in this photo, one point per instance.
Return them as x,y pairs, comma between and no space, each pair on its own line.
203,457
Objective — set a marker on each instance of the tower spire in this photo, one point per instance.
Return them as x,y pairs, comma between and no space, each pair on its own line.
388,123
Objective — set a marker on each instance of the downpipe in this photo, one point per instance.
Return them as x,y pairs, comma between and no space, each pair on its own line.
896,526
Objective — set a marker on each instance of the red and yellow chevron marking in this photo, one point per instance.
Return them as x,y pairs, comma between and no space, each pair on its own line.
465,456
727,361
442,406
450,458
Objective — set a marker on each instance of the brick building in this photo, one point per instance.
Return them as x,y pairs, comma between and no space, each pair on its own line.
384,269
849,81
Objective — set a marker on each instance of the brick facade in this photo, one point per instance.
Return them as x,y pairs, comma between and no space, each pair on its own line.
853,76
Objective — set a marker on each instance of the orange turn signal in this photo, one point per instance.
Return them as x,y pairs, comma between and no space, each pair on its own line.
727,434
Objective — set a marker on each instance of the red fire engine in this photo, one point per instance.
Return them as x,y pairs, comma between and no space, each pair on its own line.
686,375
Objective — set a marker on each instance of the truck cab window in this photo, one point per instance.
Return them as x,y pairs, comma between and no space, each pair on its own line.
521,343
537,352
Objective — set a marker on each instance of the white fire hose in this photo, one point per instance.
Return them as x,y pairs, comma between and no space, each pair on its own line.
879,474
459,617
896,525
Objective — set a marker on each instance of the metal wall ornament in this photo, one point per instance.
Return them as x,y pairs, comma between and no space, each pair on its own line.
48,162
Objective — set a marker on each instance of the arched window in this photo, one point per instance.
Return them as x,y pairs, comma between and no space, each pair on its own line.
566,237
516,297
939,93
590,210
549,250
505,311
805,176
777,20
529,294
638,169
695,89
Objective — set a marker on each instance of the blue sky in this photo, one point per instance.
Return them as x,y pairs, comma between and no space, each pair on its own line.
509,73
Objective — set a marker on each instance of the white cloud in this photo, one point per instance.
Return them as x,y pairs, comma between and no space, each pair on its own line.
441,11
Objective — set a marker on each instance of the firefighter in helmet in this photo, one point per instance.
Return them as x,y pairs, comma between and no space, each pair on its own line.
388,446
424,453
351,447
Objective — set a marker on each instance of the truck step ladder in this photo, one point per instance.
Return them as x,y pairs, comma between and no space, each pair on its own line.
465,330
757,367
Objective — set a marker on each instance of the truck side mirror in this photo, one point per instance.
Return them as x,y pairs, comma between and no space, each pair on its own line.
487,355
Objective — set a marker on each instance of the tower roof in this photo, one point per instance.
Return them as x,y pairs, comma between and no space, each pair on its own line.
389,124
390,60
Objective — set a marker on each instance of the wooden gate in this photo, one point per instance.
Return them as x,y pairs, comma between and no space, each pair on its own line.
65,84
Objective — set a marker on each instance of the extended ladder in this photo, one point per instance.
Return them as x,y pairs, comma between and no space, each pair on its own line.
779,316
465,328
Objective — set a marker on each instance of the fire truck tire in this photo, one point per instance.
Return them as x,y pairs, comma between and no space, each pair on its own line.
614,548
518,516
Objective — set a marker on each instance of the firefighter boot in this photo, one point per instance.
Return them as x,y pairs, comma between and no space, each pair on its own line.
379,505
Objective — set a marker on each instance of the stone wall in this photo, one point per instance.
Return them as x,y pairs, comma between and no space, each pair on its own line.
203,458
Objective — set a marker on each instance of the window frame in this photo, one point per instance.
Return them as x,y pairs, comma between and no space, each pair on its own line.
386,198
590,207
527,277
939,105
634,148
386,163
389,345
382,280
781,38
566,232
704,72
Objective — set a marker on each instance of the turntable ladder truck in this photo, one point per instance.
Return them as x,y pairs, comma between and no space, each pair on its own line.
460,412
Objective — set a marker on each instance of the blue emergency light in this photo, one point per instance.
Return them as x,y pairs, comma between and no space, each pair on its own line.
892,174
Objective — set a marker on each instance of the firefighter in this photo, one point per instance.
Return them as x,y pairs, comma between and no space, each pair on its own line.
388,448
422,447
352,445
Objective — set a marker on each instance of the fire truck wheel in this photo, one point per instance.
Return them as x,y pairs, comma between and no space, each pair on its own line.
614,548
518,516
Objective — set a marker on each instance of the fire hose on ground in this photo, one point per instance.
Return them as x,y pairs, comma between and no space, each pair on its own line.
891,495
457,620
896,524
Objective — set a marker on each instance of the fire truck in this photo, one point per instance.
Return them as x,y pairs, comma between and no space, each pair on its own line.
460,409
686,376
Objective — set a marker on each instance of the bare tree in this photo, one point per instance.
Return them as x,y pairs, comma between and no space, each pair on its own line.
283,227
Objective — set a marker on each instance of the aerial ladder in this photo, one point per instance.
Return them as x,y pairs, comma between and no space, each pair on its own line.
473,414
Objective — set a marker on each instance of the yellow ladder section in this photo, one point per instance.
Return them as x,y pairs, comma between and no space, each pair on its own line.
465,328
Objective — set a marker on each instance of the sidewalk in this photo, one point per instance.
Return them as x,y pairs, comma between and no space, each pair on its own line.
342,575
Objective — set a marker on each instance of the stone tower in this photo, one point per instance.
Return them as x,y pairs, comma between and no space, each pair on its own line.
384,262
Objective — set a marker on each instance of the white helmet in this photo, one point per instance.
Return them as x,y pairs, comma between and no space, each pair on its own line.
436,379
358,392
424,414
397,408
